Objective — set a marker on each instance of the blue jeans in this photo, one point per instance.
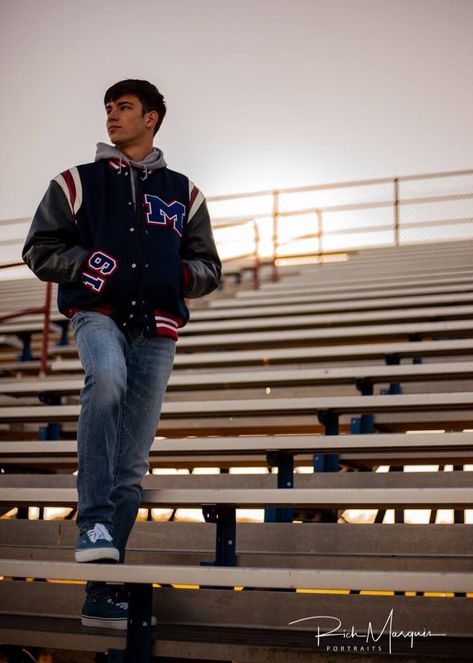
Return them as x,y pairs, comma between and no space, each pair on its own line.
126,375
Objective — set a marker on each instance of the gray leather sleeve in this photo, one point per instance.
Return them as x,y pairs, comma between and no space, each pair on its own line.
200,254
52,250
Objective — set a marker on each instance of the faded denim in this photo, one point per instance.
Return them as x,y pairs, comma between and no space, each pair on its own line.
126,375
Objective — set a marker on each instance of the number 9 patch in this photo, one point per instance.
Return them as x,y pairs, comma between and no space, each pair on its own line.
101,263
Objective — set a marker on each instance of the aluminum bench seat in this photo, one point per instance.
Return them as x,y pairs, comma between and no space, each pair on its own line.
427,402
266,378
313,337
391,448
271,578
436,285
303,355
455,295
334,320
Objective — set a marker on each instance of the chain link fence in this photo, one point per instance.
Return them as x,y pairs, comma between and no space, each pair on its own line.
311,221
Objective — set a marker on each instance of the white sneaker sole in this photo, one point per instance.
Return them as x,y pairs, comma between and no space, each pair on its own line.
97,554
118,624
97,622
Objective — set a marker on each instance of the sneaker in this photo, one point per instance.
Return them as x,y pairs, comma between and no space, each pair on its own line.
96,544
107,612
104,612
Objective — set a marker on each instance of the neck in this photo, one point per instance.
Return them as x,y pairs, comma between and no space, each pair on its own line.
136,152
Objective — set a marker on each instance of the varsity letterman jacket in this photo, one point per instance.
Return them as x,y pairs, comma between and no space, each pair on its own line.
128,239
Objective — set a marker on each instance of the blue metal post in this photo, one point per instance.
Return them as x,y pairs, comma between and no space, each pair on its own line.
284,461
327,462
53,430
139,642
225,545
26,354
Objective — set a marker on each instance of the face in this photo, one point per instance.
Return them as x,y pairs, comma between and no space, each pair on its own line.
126,125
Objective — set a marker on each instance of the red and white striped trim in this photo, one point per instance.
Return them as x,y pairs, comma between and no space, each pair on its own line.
196,199
167,324
70,183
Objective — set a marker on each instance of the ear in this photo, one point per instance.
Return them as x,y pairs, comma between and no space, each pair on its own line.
151,118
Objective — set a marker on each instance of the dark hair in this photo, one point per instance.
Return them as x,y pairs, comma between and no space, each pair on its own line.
149,95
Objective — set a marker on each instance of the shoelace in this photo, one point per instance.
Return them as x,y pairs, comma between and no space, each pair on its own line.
123,605
99,532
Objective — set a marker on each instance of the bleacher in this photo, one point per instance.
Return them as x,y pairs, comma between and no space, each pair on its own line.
351,384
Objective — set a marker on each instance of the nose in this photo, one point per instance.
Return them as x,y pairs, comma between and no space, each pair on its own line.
112,116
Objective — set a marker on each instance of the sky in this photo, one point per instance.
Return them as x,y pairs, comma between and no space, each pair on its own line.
260,93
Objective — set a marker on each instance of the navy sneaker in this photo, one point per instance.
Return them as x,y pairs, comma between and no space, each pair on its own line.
104,612
107,611
96,544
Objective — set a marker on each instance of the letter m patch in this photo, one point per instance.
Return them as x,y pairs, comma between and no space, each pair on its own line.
161,214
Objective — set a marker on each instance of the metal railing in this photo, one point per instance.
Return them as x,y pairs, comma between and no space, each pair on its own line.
45,310
346,216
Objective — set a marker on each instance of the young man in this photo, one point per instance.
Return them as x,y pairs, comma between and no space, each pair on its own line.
126,239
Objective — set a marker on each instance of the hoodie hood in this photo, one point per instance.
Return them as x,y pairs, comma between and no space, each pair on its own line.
152,161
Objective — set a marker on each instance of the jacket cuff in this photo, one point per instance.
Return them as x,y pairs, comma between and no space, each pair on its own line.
167,324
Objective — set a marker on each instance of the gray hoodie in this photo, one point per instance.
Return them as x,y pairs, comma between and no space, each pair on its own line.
153,161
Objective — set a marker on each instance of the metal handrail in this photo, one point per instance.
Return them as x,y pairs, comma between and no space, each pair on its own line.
338,185
395,202
45,309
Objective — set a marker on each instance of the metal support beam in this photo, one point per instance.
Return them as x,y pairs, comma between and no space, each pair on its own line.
225,545
275,272
50,432
362,425
328,462
392,360
365,386
396,212
53,430
26,354
394,387
284,461
139,642
64,324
